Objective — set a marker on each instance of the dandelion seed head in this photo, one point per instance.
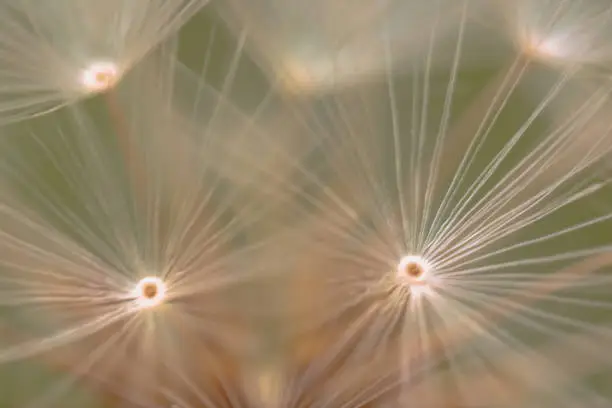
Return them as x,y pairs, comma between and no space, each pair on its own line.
99,76
553,49
414,273
149,292
570,33
545,48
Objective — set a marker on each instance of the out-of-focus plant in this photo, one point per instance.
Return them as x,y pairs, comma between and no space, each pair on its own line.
53,53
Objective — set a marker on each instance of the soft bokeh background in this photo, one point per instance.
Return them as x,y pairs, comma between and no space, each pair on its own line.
206,42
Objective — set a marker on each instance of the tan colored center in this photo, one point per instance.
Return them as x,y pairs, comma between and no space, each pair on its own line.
104,78
413,270
149,290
